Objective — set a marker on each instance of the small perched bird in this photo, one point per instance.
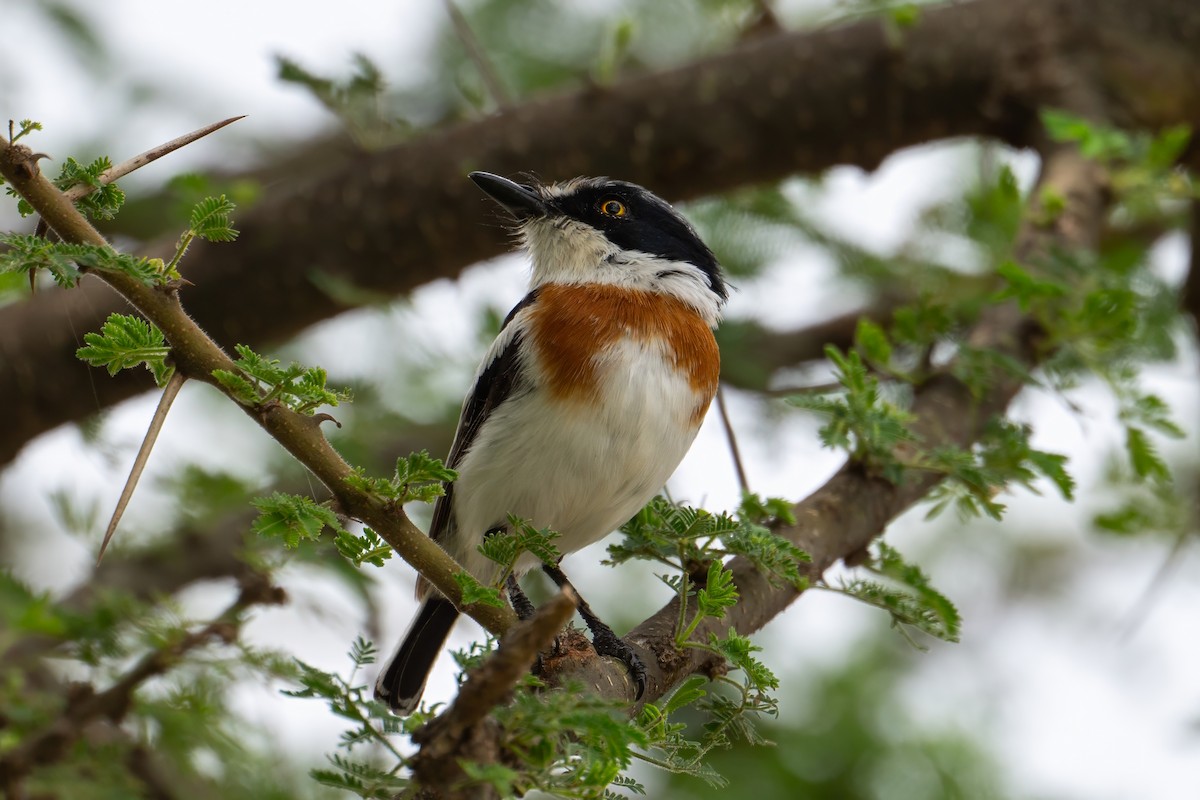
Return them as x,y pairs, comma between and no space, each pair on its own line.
586,402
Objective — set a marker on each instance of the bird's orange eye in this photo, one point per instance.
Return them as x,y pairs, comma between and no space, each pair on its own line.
613,208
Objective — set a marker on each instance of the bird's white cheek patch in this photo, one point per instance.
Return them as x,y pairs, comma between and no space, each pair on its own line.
565,251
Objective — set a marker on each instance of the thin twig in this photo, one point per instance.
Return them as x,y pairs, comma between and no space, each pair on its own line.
153,154
1140,610
732,439
477,55
139,464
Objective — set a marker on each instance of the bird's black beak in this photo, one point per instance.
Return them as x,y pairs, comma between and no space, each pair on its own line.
520,201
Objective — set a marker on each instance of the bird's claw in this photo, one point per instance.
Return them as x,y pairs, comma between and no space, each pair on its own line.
607,643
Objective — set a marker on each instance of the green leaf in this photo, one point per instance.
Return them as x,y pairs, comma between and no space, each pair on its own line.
613,50
499,777
1024,287
1094,141
420,476
665,532
922,323
360,778
505,546
739,651
362,652
916,604
873,342
475,592
368,548
1064,127
28,611
939,616
1002,457
292,518
264,380
904,607
1053,466
1144,457
210,219
105,199
772,555
238,387
1050,206
29,253
688,692
64,261
1149,508
1165,149
1126,520
860,421
765,511
25,127
718,594
125,341
1150,410
358,100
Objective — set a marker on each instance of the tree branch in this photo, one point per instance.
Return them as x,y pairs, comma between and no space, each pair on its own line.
781,104
461,731
196,356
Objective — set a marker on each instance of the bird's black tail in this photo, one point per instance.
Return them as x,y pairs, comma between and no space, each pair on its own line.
402,681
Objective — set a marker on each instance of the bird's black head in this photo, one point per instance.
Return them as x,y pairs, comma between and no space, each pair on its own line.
638,228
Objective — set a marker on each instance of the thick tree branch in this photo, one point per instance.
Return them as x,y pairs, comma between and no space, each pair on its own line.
781,104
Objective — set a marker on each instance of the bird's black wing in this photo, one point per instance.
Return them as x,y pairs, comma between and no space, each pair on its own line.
494,384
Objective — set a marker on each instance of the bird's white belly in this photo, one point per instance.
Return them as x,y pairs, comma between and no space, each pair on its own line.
581,469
